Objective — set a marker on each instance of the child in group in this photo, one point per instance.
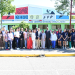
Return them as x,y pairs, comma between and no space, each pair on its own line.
64,36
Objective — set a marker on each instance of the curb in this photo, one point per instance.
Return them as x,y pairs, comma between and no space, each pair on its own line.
59,55
19,55
36,55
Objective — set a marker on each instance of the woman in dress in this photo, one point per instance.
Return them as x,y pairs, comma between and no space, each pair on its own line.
59,36
1,40
6,40
33,38
64,36
29,40
69,38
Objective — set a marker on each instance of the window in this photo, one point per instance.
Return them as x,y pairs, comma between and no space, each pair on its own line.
56,26
42,26
68,26
34,26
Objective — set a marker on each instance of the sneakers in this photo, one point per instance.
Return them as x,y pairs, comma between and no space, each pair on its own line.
65,47
17,48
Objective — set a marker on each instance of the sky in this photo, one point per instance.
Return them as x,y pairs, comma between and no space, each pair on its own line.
46,3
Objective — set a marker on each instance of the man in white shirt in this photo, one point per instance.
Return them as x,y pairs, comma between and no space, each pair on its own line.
16,34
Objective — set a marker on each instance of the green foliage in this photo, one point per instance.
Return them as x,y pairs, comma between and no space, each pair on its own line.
64,5
6,7
21,25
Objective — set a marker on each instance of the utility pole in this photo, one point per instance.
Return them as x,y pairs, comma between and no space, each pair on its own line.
70,13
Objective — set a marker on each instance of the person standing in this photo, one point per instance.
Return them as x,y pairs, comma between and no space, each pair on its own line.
6,40
48,35
43,39
21,38
25,38
29,40
54,39
1,39
69,38
59,36
64,36
73,38
13,40
38,38
16,34
33,38
10,39
3,32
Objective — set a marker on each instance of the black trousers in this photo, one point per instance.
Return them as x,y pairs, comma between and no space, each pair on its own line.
14,43
21,42
73,44
47,43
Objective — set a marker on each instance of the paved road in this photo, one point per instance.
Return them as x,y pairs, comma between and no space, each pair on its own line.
37,66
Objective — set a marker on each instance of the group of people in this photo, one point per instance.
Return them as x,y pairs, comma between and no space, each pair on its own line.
36,39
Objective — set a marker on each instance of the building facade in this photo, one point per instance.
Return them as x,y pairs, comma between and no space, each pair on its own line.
38,16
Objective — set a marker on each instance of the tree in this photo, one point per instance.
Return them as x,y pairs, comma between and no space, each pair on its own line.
6,7
21,25
64,5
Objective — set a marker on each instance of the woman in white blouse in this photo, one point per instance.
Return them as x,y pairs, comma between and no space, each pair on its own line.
10,38
53,39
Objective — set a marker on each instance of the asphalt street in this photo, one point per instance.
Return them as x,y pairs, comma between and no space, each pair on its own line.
37,65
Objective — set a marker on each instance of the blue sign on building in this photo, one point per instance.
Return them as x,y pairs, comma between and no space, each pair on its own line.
21,16
62,17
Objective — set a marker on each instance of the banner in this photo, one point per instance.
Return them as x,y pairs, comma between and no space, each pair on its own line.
48,17
49,11
21,16
35,17
22,10
7,17
73,17
34,10
62,17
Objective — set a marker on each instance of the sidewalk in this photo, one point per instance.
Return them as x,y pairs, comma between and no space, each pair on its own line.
37,53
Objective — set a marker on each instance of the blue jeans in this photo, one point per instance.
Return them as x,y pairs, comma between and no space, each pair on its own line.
10,43
25,43
17,41
53,44
6,45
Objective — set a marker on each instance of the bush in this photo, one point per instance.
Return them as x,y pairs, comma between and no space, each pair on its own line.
21,25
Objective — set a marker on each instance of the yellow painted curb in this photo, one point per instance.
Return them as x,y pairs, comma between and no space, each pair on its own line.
19,55
59,55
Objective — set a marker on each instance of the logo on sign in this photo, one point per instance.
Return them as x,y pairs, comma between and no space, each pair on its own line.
35,16
48,17
23,10
21,17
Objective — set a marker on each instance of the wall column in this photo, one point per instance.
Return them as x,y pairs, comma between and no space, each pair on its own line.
30,27
74,26
49,26
63,27
37,25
